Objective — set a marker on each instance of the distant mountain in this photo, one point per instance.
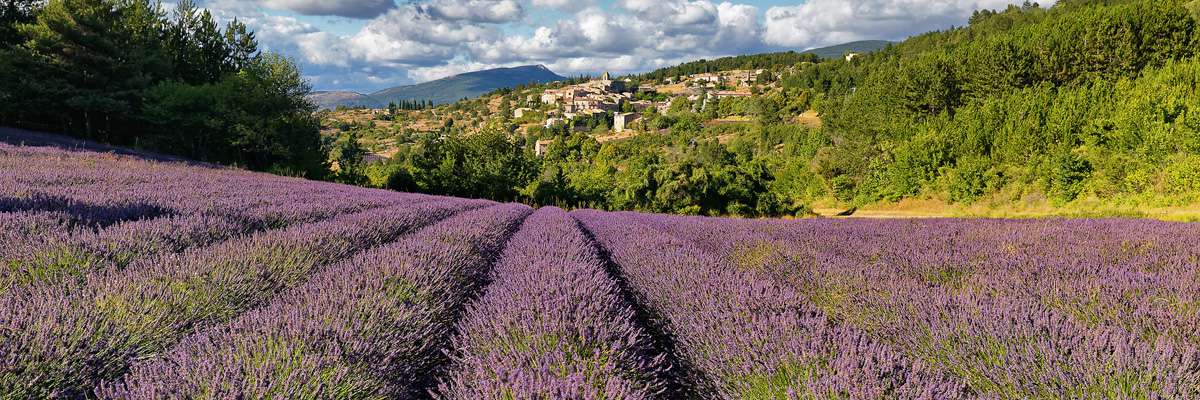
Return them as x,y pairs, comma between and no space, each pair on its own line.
442,91
468,85
334,98
837,51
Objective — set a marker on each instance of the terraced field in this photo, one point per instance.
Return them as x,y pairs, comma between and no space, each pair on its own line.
126,277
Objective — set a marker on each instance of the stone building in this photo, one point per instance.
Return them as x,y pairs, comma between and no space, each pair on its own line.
539,147
621,121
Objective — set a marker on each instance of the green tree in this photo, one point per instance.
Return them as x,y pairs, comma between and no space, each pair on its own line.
348,154
241,45
197,48
14,13
488,164
90,60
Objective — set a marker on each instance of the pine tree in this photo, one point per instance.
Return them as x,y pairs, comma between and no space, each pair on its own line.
241,44
93,56
213,55
12,14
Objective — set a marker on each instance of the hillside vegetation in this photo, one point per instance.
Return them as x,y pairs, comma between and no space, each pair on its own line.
767,60
1082,104
1089,99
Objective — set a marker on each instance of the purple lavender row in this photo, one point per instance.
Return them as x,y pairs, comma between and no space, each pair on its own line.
90,211
283,211
749,337
55,256
18,230
116,183
994,301
1050,309
370,327
47,168
62,340
105,205
70,253
552,324
100,204
17,227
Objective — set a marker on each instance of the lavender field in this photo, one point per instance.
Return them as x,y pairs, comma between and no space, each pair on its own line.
125,277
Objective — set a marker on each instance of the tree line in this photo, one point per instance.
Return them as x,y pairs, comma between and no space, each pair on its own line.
409,105
129,73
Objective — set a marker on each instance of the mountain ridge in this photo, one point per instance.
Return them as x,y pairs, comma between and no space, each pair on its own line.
440,91
839,50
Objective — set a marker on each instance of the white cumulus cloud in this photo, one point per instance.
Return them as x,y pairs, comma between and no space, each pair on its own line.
341,8
490,11
563,5
416,40
826,22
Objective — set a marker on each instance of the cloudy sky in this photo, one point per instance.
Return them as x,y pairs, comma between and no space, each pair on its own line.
367,45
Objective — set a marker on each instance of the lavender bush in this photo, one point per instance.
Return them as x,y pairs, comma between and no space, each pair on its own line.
369,327
749,337
61,340
553,324
1057,308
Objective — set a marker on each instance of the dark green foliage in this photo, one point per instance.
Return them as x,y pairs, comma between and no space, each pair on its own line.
484,165
1068,175
12,14
970,180
348,154
125,72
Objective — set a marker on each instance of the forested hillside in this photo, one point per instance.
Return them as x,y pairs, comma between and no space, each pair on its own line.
1089,98
1086,101
127,72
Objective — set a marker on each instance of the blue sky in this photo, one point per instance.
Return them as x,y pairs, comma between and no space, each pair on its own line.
366,45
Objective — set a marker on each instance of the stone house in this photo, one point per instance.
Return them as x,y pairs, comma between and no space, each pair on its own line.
621,121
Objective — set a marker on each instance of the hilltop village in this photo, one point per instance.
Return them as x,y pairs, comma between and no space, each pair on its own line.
705,137
607,108
620,96
628,103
